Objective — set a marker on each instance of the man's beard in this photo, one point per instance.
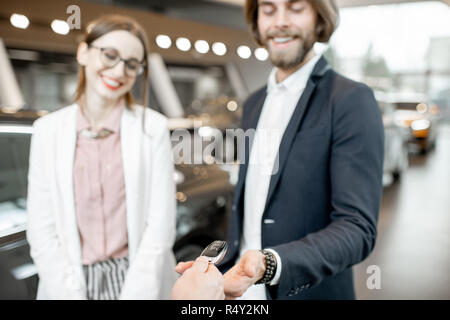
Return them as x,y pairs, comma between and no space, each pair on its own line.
290,58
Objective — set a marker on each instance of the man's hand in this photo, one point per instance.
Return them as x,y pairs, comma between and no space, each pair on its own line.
200,281
244,274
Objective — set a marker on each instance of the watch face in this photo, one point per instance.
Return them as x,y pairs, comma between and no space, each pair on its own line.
215,251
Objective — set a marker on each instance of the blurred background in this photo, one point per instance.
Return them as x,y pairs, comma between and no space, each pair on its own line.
203,65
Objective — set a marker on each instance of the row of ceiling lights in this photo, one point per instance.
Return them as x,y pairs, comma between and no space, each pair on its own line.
22,22
201,46
163,41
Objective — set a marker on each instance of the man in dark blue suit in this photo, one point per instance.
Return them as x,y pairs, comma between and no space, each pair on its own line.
315,214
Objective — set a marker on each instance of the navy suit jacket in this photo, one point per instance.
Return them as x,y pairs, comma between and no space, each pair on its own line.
324,199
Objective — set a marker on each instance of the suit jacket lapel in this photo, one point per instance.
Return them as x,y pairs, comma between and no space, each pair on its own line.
292,128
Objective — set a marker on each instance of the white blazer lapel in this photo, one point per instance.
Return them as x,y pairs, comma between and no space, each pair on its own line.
131,154
65,155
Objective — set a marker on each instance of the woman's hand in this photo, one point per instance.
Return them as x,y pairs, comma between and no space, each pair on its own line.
200,280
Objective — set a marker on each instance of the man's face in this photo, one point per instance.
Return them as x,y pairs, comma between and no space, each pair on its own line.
287,29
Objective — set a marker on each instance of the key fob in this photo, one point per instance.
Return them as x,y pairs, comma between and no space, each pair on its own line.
215,251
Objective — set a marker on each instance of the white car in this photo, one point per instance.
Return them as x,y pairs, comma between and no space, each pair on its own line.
395,145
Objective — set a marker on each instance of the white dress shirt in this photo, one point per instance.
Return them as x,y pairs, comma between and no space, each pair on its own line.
279,105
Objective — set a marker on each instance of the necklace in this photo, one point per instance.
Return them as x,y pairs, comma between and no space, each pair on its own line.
88,133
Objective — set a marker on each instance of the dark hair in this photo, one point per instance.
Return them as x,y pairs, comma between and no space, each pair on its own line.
102,26
327,11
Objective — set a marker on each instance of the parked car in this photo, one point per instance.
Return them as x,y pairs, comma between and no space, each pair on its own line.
204,193
18,276
395,143
420,117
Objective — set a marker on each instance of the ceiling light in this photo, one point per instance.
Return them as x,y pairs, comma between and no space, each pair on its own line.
163,41
19,21
201,46
219,48
183,44
244,52
261,54
60,27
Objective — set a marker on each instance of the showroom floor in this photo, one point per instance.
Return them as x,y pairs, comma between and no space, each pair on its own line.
413,245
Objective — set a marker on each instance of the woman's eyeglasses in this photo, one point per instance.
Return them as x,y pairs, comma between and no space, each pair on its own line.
110,57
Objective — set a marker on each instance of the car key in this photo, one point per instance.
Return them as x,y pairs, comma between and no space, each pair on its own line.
215,251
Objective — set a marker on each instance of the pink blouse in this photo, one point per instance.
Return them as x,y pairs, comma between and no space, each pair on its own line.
99,187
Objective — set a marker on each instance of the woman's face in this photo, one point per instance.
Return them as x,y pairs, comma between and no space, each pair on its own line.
110,82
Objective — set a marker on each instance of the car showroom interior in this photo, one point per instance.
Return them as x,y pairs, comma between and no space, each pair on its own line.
202,65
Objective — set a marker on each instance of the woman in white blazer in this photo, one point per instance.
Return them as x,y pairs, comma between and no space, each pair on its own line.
69,221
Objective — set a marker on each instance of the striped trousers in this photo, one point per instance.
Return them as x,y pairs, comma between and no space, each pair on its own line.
104,280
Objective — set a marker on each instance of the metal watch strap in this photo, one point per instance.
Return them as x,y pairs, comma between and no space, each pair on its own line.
271,264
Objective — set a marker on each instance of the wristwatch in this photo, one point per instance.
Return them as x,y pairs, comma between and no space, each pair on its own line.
215,251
